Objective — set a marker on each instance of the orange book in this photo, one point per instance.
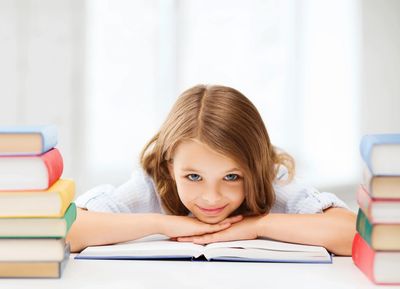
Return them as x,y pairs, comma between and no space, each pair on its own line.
52,202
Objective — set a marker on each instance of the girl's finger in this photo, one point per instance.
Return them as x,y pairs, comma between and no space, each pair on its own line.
236,219
233,219
212,228
184,239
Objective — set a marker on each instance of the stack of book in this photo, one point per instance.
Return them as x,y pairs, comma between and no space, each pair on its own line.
376,246
36,209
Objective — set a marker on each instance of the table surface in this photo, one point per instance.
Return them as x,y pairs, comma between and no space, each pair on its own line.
342,273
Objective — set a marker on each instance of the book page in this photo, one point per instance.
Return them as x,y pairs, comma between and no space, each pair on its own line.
266,251
145,248
267,245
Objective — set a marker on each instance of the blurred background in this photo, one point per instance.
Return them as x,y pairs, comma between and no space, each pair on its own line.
322,74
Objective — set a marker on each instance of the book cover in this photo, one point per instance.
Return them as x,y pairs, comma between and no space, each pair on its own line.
38,204
35,269
30,172
378,210
379,266
27,140
259,250
381,153
378,236
38,227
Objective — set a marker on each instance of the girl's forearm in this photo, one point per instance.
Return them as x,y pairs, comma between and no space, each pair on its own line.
334,229
95,228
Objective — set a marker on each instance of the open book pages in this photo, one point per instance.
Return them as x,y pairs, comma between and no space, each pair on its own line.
260,250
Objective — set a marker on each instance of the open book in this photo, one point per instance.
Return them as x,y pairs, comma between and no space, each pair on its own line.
259,250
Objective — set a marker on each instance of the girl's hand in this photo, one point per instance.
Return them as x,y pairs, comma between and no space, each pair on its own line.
246,229
182,226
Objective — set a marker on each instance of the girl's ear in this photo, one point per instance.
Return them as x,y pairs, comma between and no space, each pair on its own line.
171,169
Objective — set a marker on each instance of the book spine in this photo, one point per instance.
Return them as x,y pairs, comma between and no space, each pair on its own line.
63,263
70,216
364,227
365,202
54,164
366,145
363,257
49,137
368,180
66,190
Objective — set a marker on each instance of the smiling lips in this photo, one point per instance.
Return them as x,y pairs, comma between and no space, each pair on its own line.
212,211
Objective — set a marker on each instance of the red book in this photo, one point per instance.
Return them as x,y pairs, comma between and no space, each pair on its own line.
30,173
381,267
378,210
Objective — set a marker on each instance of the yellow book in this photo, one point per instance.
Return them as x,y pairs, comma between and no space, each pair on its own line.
31,269
52,202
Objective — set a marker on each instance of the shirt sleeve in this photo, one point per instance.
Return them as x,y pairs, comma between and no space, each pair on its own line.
298,198
137,195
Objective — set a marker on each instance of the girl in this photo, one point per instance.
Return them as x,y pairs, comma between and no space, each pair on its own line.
211,174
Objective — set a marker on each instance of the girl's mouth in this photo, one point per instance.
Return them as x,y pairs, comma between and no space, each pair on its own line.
212,211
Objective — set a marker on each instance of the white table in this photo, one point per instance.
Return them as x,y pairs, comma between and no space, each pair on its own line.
185,274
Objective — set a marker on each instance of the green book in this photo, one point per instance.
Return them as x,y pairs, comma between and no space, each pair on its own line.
38,227
381,236
364,227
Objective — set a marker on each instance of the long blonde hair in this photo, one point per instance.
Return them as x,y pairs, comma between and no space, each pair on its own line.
225,120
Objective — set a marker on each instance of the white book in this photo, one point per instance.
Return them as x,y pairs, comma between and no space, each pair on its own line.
385,187
17,250
259,250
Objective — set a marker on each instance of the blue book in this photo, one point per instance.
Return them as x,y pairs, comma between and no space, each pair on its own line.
259,250
27,140
381,154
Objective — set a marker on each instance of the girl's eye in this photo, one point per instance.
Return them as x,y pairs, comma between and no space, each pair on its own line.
194,177
231,177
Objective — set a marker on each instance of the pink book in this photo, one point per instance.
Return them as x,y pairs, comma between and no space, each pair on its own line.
378,210
30,173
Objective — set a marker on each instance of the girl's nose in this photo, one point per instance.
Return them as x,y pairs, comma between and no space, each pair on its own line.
212,194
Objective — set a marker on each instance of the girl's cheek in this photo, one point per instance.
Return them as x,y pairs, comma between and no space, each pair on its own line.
233,190
189,191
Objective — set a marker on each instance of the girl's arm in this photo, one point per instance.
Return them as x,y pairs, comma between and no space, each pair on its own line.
97,228
333,229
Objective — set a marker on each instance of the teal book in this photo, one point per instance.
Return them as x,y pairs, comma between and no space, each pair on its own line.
38,227
381,153
27,140
379,236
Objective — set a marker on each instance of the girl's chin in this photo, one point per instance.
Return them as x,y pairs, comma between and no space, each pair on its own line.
210,219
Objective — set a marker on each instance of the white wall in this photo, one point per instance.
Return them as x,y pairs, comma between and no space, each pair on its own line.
380,77
41,71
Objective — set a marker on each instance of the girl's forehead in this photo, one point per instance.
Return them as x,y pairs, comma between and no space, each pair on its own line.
194,152
196,146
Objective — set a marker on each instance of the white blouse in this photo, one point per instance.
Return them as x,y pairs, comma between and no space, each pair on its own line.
139,195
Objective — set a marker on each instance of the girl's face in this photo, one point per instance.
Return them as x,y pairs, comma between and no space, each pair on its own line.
209,184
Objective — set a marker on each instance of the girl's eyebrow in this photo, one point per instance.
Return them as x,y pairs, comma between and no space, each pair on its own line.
189,169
